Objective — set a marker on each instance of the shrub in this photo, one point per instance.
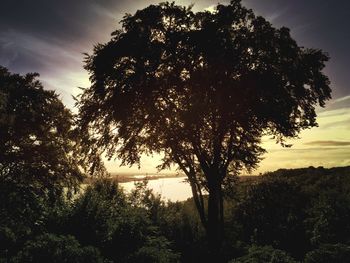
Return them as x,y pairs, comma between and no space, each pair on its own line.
265,254
57,249
155,250
329,253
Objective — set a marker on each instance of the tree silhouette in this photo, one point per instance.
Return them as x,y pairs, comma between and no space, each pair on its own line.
38,145
201,89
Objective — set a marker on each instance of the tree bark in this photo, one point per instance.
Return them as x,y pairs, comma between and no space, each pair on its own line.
215,210
198,200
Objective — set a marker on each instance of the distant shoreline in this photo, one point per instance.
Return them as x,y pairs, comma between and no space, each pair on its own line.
125,178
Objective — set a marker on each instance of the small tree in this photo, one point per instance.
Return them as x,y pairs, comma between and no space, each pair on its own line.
202,89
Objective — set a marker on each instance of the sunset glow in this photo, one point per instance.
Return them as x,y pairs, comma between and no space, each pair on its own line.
48,46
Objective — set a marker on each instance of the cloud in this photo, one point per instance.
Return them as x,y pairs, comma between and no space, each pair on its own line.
296,158
345,98
49,37
328,143
336,116
333,112
277,14
59,63
303,150
345,124
336,104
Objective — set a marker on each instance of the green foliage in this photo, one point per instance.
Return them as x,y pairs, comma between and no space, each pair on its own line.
41,162
103,224
8,240
326,204
37,143
328,253
142,196
155,250
179,222
121,227
329,210
96,213
57,249
293,210
265,254
329,219
23,211
20,203
40,157
272,213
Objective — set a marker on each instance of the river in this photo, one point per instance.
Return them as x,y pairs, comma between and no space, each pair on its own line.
172,188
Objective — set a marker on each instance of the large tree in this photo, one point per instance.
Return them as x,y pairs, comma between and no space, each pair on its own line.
201,89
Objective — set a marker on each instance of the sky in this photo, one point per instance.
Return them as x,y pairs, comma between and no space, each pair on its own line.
50,37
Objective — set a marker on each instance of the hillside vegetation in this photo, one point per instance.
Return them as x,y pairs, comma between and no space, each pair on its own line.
298,215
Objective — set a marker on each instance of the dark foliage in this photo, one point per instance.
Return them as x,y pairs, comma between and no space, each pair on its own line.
265,255
121,227
57,249
38,145
273,213
295,210
329,253
39,160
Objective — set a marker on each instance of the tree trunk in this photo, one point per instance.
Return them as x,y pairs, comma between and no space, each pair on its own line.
215,222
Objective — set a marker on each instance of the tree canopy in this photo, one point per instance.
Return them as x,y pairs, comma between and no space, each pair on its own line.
201,89
38,144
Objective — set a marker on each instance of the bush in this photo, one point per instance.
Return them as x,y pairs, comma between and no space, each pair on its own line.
155,250
57,249
180,223
265,254
103,217
329,253
272,214
22,213
7,241
96,212
328,218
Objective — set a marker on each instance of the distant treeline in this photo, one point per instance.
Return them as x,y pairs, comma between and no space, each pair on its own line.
299,215
130,177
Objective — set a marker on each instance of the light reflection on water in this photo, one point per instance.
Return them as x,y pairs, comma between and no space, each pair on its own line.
174,188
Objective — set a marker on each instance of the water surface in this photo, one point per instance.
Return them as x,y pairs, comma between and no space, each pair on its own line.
173,188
